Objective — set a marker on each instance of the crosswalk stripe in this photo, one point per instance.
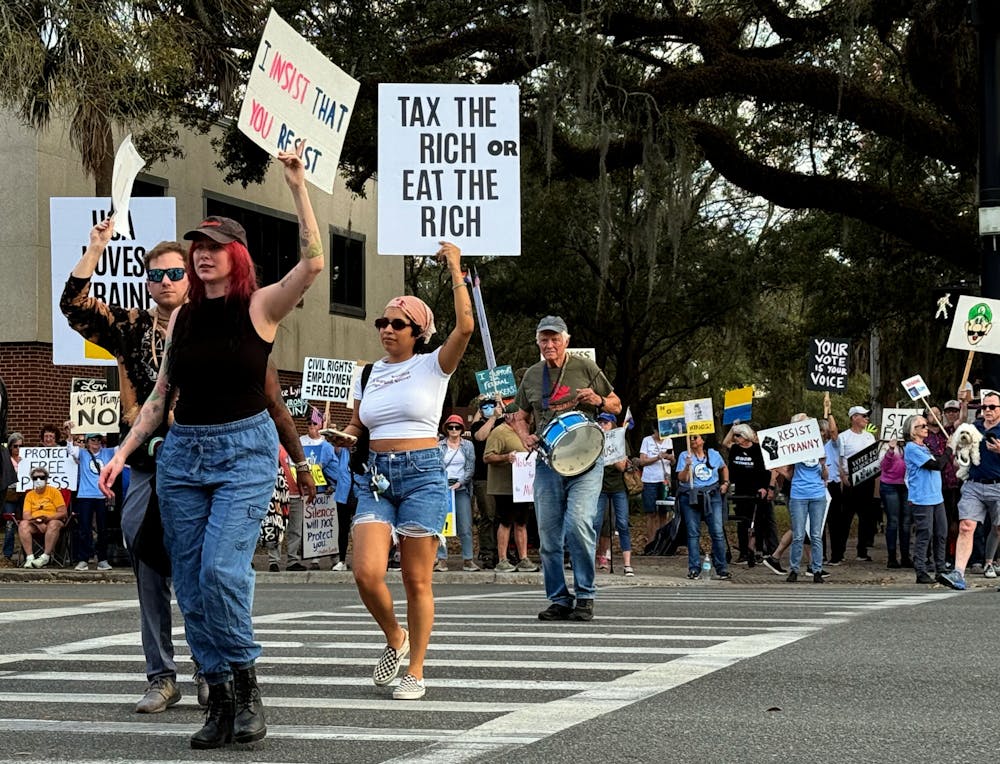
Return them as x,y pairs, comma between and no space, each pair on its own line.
585,633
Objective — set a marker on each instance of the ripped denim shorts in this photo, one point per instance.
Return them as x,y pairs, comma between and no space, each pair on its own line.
416,501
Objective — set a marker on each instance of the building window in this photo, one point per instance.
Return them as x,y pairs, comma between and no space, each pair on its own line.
272,236
347,273
149,186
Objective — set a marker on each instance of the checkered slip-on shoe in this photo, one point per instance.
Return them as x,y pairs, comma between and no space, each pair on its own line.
387,667
410,688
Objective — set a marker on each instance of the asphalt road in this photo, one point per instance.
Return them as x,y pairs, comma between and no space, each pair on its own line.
707,673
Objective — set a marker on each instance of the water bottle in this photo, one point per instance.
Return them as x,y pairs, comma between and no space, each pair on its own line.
706,568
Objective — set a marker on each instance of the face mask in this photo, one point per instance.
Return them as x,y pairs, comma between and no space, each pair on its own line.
38,482
488,410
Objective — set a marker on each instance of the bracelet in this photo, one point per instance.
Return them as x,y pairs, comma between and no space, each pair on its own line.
303,465
456,286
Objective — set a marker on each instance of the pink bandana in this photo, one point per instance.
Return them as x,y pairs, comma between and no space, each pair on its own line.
417,311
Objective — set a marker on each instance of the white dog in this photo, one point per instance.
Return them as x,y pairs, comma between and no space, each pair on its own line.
964,443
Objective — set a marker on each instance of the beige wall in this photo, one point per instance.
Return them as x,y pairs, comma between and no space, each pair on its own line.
42,165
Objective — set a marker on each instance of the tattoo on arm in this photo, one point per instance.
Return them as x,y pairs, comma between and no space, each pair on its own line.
309,243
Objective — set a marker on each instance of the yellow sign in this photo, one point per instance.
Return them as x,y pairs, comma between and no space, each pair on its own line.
449,519
670,419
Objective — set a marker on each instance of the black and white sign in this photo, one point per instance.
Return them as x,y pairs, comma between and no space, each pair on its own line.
61,466
319,527
865,464
94,412
828,365
327,379
791,443
892,422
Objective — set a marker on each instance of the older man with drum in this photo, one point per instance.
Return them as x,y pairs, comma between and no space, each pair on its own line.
562,394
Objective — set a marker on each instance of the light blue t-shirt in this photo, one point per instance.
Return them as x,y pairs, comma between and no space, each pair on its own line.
706,469
923,486
807,481
89,469
832,461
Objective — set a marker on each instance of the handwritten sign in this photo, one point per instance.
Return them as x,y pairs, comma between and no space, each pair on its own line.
94,412
327,379
61,466
828,364
670,419
497,381
295,93
791,443
698,416
892,423
523,476
865,464
614,445
319,527
972,325
916,388
449,169
119,278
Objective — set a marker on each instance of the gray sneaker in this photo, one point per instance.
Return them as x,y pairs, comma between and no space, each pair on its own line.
504,566
160,695
526,566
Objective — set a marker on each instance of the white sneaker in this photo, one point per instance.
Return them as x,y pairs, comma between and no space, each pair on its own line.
82,566
41,561
104,565
29,561
410,688
991,571
339,566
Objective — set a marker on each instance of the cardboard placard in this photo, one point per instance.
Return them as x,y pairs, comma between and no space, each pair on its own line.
865,464
61,466
828,364
327,379
791,443
94,412
319,527
523,476
892,423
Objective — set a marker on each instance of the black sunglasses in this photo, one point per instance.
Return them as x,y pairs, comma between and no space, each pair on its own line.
989,407
454,427
397,324
156,274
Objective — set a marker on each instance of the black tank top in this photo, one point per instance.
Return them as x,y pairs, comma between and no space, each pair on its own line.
218,363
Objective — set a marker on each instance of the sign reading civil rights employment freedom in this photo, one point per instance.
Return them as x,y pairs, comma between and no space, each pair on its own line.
295,93
828,364
327,379
119,278
972,327
449,169
791,443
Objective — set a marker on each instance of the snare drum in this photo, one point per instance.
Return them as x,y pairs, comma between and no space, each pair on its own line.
571,443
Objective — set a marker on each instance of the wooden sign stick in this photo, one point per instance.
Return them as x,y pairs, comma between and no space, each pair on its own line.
965,374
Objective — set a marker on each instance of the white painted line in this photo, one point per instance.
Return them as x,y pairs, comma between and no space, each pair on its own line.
45,613
585,633
562,649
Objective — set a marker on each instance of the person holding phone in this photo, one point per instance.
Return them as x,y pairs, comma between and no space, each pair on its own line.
656,457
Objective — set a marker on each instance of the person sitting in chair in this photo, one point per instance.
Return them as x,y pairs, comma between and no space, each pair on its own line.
44,515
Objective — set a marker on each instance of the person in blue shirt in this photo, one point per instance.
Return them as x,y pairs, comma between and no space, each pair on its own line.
807,503
346,504
925,498
326,470
90,504
703,479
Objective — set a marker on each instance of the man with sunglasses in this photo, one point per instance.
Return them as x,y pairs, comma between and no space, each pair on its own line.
855,499
981,492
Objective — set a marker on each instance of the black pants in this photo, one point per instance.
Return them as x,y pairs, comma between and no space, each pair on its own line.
765,529
855,500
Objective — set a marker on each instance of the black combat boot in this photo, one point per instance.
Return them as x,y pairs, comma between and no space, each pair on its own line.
218,729
249,725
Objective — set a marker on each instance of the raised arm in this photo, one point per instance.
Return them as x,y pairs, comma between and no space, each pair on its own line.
454,347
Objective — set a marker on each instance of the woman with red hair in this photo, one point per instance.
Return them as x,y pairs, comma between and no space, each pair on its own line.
216,467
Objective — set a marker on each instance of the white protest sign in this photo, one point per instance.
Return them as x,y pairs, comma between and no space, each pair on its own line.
972,326
128,164
120,276
614,445
698,416
916,388
61,466
295,93
319,527
94,412
589,353
327,379
892,423
449,169
791,443
523,476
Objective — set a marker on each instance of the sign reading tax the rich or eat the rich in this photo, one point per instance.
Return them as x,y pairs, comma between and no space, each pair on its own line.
828,367
327,379
865,464
61,466
449,169
892,423
94,412
791,443
296,94
120,276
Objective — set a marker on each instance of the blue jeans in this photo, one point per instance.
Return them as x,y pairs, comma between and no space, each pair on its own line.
898,518
463,524
565,510
214,484
650,493
416,502
799,510
712,515
86,510
619,505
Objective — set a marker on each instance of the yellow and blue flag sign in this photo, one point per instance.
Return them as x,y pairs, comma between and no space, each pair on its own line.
738,405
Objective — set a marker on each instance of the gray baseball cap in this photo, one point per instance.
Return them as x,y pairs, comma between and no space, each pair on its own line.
551,324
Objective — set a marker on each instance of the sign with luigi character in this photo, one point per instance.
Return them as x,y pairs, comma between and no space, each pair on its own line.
972,327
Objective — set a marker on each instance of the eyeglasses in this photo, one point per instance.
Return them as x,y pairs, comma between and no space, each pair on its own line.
454,427
156,274
397,324
918,426
989,407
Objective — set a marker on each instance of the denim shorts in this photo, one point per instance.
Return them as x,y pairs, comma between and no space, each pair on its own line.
416,502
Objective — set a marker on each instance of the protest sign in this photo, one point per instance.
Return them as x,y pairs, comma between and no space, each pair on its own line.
61,466
865,464
916,388
128,164
498,381
828,367
523,476
88,385
319,527
892,423
614,445
737,405
449,169
972,325
791,443
291,396
698,417
670,419
94,412
449,519
119,278
327,379
295,93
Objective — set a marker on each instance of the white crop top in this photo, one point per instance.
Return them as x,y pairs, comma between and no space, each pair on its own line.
403,400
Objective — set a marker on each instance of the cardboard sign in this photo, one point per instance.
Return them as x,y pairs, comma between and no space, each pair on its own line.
88,385
791,443
614,445
670,420
698,417
295,93
916,388
737,405
523,476
120,277
449,169
972,325
61,466
94,412
892,423
327,379
828,370
497,381
319,527
865,464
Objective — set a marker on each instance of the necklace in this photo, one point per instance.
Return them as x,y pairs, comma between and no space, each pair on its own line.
156,330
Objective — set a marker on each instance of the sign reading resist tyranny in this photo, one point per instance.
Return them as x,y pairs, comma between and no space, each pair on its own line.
791,443
828,364
449,169
327,379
